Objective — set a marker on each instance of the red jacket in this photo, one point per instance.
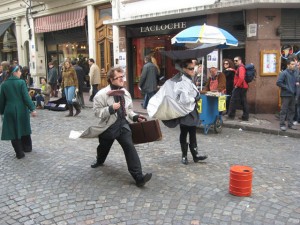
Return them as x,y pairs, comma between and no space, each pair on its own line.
239,78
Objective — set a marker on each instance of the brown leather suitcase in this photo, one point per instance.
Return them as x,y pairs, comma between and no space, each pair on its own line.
147,131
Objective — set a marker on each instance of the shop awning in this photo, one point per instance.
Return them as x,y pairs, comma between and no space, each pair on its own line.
5,26
61,21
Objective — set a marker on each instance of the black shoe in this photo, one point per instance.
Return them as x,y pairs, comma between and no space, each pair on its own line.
27,149
184,160
96,164
20,155
144,180
199,158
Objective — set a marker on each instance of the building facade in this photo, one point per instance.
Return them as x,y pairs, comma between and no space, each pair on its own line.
264,31
122,32
37,32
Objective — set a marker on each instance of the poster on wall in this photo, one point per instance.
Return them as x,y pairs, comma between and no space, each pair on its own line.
212,59
122,62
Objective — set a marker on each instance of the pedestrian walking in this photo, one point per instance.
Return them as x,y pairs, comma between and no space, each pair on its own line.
69,85
188,94
53,78
80,77
113,105
16,105
148,80
95,78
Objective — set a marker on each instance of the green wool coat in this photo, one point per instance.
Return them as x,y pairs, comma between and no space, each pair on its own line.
15,105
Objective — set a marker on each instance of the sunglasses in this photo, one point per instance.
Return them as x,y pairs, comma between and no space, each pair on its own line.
190,68
120,77
225,63
235,60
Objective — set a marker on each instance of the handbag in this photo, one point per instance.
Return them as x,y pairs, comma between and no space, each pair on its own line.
75,99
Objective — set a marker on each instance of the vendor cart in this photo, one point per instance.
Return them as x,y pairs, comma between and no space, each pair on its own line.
210,108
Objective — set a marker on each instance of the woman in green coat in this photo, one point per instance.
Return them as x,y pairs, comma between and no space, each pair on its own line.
15,105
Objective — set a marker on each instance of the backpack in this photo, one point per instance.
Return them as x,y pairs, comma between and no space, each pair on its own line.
250,73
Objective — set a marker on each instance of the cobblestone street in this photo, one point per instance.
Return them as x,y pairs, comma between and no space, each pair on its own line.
55,184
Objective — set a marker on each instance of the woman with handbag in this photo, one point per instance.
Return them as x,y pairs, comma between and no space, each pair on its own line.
69,85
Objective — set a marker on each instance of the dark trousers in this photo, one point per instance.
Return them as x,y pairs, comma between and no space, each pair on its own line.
131,156
94,91
53,89
287,110
147,98
239,97
184,131
22,145
80,98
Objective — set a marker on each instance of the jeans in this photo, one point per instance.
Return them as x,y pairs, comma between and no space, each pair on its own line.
70,94
39,99
147,98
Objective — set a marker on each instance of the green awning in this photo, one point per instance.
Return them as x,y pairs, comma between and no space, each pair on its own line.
5,26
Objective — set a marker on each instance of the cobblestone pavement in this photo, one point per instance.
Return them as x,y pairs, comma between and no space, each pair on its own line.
55,184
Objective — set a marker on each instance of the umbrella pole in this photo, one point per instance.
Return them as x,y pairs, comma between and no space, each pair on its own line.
201,87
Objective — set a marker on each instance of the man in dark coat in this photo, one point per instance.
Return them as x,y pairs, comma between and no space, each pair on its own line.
52,79
80,76
148,81
287,82
15,105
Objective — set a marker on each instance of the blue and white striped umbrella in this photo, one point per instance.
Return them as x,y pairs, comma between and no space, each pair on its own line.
204,34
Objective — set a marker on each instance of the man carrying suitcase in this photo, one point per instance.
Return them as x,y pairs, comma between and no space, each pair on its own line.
113,105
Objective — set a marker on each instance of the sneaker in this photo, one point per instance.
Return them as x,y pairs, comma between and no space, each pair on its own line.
144,180
292,127
283,128
295,123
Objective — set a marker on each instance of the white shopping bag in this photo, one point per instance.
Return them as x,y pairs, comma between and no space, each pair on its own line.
173,100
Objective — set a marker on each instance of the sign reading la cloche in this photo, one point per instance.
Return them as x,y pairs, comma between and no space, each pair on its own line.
162,27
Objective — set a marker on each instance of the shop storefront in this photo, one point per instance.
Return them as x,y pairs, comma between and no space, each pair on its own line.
149,39
66,37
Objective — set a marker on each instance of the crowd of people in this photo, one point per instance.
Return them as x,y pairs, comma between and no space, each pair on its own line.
113,104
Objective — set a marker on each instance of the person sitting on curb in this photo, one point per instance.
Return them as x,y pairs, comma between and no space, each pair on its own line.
44,96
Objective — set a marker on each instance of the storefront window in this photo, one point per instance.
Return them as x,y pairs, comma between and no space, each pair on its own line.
74,50
153,46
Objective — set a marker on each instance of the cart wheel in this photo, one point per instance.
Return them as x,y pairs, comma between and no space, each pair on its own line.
218,125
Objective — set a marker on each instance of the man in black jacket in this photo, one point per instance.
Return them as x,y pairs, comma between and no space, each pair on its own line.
287,83
80,77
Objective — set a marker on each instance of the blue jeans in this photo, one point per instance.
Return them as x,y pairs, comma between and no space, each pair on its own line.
70,94
147,98
39,98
